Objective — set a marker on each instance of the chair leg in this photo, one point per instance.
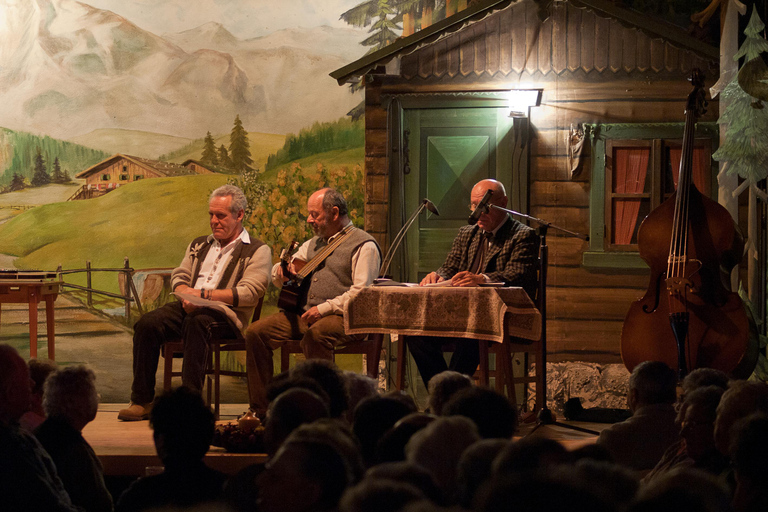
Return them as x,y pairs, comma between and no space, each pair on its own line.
372,363
167,367
285,359
400,381
482,346
216,380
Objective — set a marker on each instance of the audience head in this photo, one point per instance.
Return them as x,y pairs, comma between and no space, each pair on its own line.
330,378
70,394
494,415
406,472
750,462
183,426
698,425
391,446
474,468
438,448
290,409
39,370
379,496
359,387
310,471
373,417
443,386
703,377
683,490
530,454
741,399
651,382
537,492
283,382
612,483
15,385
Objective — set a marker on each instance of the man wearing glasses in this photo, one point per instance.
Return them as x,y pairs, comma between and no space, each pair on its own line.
498,249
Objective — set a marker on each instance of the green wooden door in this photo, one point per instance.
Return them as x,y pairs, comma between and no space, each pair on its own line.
451,149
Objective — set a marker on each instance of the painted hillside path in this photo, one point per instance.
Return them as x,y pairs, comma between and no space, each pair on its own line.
85,337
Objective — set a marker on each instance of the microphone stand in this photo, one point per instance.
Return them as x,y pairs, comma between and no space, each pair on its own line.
545,416
425,203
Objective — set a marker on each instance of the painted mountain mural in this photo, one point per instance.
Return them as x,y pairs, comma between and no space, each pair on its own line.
67,68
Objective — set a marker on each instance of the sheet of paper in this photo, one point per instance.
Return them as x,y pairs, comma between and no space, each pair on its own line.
213,304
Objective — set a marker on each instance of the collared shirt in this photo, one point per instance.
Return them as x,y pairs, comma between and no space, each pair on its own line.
216,261
488,237
366,262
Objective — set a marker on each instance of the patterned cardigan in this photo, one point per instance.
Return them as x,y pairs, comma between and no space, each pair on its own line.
512,257
240,274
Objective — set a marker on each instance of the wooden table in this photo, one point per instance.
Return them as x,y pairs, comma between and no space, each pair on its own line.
29,290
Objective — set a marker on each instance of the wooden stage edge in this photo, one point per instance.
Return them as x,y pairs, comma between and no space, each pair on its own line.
125,448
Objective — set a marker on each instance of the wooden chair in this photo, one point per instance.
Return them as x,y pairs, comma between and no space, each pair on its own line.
370,347
213,365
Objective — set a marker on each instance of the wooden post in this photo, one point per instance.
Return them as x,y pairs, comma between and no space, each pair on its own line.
128,290
88,294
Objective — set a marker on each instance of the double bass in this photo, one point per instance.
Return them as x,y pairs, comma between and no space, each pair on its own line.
689,317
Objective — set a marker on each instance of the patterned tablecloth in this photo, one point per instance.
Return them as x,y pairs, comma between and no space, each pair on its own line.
458,312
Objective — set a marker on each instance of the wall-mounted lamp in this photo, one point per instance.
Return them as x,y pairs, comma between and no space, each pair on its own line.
521,100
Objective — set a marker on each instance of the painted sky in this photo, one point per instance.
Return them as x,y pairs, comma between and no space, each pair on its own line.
244,18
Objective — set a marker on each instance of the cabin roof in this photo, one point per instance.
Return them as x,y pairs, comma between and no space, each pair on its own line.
157,166
618,25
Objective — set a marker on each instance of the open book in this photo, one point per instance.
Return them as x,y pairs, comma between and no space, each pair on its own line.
213,304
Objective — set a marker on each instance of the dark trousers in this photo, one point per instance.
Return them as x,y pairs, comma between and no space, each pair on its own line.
427,351
171,323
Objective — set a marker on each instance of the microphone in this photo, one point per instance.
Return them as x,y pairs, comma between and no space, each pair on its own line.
481,208
431,206
387,261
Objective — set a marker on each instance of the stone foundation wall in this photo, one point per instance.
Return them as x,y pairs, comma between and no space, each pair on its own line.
596,385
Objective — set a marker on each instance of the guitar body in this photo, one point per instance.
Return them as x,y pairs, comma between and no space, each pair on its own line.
293,296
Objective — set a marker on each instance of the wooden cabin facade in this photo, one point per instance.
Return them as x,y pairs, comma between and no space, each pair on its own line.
436,122
119,170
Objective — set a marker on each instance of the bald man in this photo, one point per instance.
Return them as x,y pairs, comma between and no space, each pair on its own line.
319,324
509,255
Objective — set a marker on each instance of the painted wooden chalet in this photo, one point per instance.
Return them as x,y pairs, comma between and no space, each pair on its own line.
597,155
199,167
120,169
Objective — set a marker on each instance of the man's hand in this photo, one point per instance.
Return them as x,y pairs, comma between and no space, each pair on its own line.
312,315
431,278
467,278
188,306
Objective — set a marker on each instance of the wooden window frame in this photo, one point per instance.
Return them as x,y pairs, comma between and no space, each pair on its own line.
602,253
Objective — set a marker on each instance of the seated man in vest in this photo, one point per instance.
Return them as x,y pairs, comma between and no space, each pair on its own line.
497,249
317,320
226,266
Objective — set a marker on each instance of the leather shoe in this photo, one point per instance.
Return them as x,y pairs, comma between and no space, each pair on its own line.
135,412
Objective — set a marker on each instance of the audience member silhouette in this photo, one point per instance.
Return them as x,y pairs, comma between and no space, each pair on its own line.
683,490
612,483
359,387
28,479
391,446
71,402
442,387
183,428
386,495
307,474
337,433
406,472
438,448
640,441
530,454
39,370
697,447
373,417
475,468
287,412
741,399
494,415
750,463
330,378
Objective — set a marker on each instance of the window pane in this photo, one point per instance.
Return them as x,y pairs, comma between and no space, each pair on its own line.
630,169
627,216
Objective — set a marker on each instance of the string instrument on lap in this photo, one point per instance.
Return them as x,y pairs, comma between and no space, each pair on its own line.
293,295
689,318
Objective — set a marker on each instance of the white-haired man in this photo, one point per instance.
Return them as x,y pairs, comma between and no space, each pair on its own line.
226,266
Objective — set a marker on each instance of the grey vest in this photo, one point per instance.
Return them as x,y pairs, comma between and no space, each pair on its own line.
334,276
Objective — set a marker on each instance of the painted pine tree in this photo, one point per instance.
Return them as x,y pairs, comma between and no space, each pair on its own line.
240,148
209,155
40,175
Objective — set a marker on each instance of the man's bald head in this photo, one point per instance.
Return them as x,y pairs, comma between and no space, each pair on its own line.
494,218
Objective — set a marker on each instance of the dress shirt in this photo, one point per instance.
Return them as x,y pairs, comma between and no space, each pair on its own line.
218,257
366,262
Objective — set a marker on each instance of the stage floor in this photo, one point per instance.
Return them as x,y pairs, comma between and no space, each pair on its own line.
126,449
